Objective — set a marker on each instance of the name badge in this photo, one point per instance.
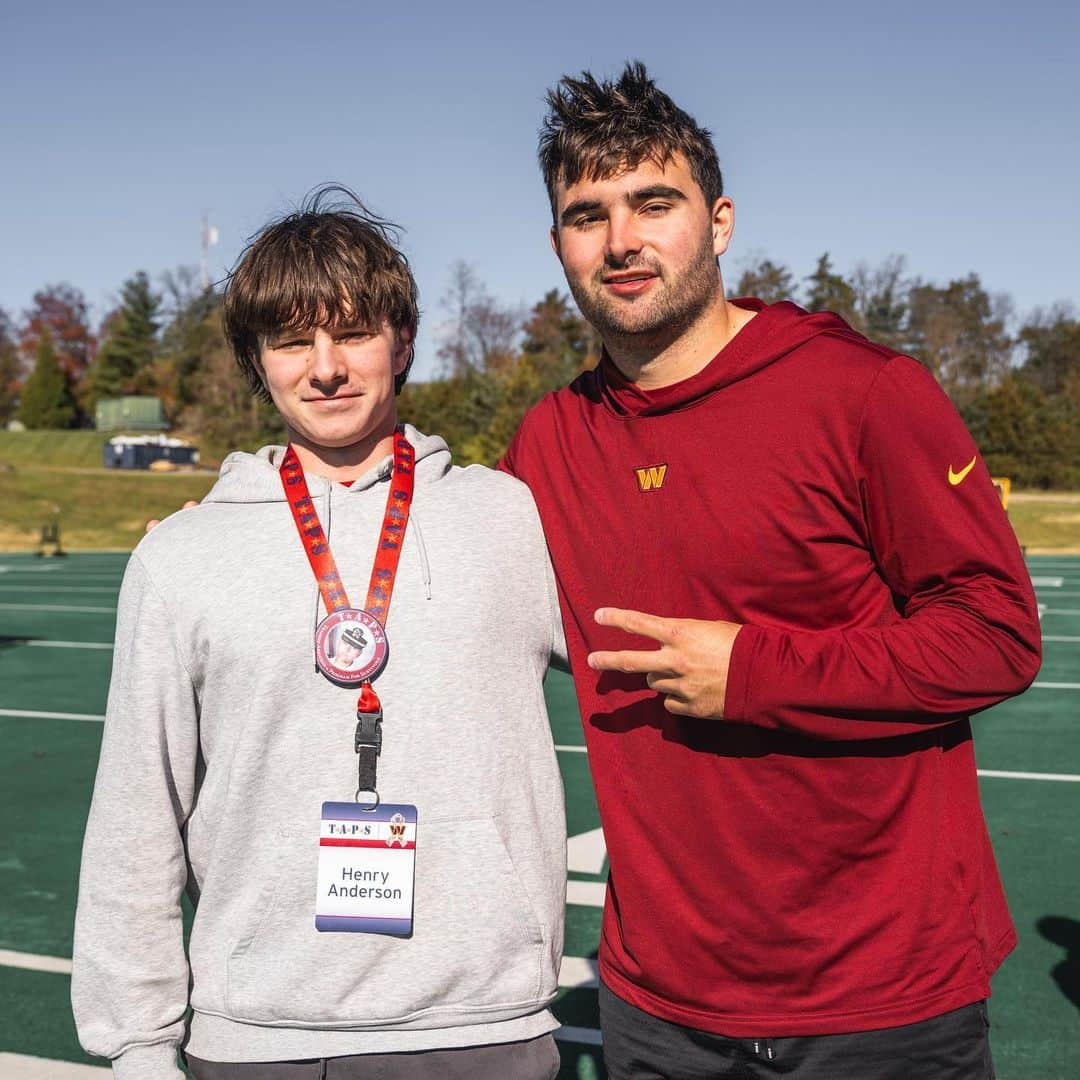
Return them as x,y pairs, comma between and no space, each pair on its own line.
367,863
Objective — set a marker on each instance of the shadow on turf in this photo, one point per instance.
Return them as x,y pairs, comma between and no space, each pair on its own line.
13,642
1066,933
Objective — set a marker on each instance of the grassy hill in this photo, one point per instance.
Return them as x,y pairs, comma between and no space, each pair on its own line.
73,449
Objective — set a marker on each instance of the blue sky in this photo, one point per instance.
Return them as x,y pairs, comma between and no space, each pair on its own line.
946,132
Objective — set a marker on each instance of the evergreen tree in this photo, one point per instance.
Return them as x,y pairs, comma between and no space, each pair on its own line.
768,281
558,341
829,291
46,401
124,364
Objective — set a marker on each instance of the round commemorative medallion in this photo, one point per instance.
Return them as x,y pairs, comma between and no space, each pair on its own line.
350,646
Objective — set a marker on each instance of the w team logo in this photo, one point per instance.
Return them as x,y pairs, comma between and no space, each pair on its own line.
397,831
651,478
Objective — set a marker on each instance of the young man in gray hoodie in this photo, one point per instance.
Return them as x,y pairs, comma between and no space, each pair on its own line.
375,851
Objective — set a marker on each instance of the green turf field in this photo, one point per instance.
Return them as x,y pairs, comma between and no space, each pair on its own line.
56,625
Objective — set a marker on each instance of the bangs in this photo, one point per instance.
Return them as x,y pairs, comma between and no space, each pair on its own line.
313,293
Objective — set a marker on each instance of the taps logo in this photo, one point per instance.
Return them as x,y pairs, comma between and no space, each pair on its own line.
651,478
397,831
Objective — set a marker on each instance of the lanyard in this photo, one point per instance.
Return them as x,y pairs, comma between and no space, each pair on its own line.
350,644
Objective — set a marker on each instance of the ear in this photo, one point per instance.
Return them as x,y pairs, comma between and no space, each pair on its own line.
555,242
723,224
403,350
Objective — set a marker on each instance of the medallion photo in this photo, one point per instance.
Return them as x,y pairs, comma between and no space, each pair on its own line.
350,647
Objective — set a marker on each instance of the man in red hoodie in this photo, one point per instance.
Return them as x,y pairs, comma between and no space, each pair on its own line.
786,581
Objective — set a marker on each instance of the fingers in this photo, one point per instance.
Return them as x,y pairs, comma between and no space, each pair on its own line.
636,622
153,523
628,661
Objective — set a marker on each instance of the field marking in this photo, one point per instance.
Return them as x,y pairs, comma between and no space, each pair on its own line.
59,965
1001,774
74,644
53,715
1051,611
1059,637
579,971
1057,685
586,852
12,568
586,893
586,1036
1047,582
567,748
60,588
58,607
24,1067
1056,596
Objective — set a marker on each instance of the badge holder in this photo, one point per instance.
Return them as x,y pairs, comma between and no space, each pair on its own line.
367,849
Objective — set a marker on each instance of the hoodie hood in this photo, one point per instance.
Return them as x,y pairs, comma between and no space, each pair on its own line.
253,478
775,331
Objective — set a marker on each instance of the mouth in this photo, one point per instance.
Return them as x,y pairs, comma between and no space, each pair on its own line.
629,283
328,400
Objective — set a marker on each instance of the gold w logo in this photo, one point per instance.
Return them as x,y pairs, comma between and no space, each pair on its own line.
651,477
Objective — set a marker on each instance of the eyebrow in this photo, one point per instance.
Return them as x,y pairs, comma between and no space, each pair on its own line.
640,195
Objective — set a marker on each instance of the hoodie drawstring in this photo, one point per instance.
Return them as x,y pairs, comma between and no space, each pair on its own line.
425,566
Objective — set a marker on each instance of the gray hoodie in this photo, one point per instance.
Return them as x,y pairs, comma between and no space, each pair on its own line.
222,741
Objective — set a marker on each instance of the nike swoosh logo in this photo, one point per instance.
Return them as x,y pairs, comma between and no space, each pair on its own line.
958,477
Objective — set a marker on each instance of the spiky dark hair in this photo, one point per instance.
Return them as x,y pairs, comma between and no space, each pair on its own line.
597,129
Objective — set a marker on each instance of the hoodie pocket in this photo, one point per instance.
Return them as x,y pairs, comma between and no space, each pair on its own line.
477,944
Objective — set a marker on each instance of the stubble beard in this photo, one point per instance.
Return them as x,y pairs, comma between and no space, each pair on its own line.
655,320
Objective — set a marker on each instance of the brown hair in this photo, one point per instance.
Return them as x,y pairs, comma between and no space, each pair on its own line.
599,129
323,265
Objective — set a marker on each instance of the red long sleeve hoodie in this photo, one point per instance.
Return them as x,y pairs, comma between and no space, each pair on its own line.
817,861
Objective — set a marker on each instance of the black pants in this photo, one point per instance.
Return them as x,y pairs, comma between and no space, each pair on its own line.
638,1046
533,1059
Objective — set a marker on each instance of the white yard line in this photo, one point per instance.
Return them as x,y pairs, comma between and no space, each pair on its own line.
1056,685
60,588
1047,582
53,715
24,1067
33,962
566,748
579,971
1059,637
58,607
1000,774
586,893
75,644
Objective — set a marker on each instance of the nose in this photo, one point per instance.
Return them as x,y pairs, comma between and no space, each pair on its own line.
623,237
326,367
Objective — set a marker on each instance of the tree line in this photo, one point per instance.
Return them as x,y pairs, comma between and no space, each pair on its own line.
1016,382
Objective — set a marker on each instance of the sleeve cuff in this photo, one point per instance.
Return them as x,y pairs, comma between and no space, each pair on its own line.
154,1062
738,704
